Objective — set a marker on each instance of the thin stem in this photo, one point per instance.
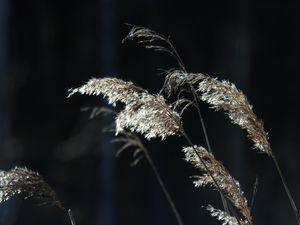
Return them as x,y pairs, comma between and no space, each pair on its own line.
163,187
201,118
224,202
159,179
181,64
254,193
296,212
71,217
179,60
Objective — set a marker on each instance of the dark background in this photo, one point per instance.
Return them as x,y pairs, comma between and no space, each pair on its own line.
47,47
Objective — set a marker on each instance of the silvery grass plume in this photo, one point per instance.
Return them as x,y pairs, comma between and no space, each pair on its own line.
176,79
144,113
225,217
21,180
215,174
114,89
221,95
224,95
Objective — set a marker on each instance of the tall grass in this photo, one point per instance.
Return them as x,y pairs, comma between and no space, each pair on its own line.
155,115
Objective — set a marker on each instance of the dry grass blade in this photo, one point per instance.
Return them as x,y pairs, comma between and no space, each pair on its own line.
214,173
21,180
225,95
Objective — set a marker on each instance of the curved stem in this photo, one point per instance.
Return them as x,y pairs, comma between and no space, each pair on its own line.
201,118
224,202
296,212
163,187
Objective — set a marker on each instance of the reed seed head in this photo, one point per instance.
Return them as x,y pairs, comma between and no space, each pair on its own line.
114,89
150,116
225,217
144,113
21,180
224,95
217,176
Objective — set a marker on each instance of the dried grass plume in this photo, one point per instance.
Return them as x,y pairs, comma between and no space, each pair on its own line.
225,217
224,95
218,177
21,180
144,113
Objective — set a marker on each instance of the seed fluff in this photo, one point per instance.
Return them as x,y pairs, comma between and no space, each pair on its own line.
224,95
144,113
217,174
21,180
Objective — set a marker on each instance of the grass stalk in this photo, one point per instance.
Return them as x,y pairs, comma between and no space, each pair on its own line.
163,187
287,191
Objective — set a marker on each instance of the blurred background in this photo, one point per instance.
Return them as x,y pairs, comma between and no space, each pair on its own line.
47,47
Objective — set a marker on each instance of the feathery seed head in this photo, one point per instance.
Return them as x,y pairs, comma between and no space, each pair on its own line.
112,88
224,95
217,174
144,113
150,116
225,217
22,180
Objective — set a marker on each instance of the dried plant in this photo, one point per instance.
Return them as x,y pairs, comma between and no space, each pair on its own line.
176,79
179,80
214,173
114,89
21,180
153,40
225,217
144,113
151,116
129,139
224,95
